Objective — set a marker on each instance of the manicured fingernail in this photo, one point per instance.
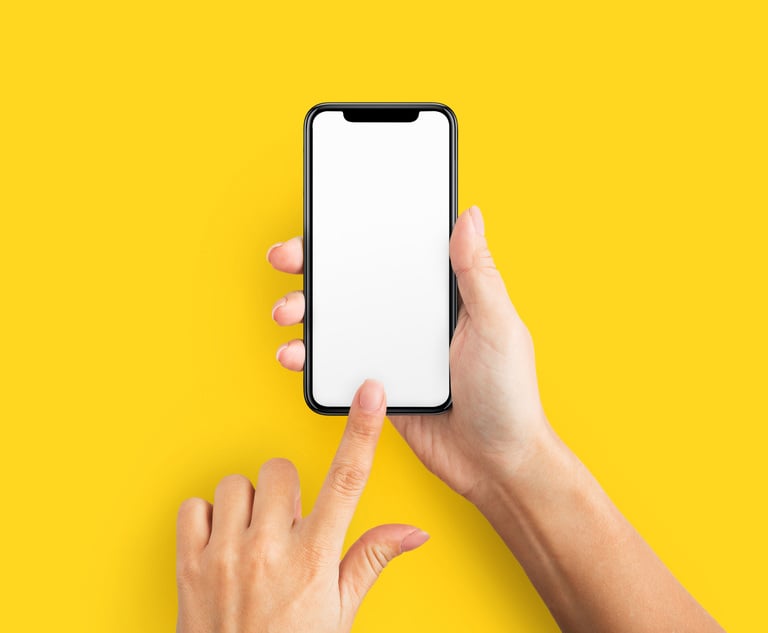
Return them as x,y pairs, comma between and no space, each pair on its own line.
477,219
279,351
273,247
279,304
371,395
413,540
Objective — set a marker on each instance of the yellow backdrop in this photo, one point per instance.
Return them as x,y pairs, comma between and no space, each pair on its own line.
151,152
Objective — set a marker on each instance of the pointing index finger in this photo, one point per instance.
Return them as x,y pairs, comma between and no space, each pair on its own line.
350,468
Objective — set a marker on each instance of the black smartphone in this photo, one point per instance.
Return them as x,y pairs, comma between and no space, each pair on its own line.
380,191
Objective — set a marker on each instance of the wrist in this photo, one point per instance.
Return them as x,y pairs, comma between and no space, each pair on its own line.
536,464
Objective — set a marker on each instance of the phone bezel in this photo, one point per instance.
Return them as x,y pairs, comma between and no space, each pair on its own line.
453,198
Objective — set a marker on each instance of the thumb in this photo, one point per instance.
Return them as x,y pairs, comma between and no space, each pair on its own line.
370,554
480,284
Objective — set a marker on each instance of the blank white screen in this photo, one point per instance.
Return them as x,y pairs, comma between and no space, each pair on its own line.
380,231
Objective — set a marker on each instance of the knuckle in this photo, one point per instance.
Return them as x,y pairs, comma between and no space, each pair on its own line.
234,483
259,560
362,429
312,554
347,480
225,561
529,341
377,558
278,466
484,261
187,571
524,334
189,507
258,535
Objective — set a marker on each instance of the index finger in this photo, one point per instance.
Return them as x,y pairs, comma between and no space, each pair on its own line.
287,257
346,479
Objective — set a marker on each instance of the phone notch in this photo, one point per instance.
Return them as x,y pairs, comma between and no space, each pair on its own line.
381,115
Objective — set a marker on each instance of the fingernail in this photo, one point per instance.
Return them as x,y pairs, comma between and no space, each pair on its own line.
298,239
271,248
371,395
279,304
477,219
279,350
414,540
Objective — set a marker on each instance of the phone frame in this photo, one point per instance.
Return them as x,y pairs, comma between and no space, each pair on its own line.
384,109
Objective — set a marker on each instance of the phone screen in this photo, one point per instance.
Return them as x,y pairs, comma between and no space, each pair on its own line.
379,208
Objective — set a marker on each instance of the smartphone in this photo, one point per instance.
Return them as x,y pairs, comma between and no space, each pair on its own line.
380,187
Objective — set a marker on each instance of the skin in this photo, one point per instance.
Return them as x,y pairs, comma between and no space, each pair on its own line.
495,447
251,563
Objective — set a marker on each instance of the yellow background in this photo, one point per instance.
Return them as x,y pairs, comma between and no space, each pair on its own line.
151,152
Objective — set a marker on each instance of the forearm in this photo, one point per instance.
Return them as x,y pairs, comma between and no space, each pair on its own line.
590,566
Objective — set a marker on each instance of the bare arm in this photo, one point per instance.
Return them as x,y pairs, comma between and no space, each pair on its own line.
497,448
591,567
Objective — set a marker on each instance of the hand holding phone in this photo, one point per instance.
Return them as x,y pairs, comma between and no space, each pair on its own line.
496,408
496,447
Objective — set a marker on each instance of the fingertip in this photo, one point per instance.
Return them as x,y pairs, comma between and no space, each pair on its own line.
291,355
271,248
287,257
371,396
193,526
415,539
289,310
466,219
282,466
191,507
462,245
477,219
278,304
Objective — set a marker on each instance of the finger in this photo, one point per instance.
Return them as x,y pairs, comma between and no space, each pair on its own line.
328,522
193,529
482,289
368,557
289,310
287,257
275,497
232,504
292,355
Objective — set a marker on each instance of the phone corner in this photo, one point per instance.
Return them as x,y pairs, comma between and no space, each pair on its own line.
322,409
314,111
309,399
446,406
447,111
429,410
